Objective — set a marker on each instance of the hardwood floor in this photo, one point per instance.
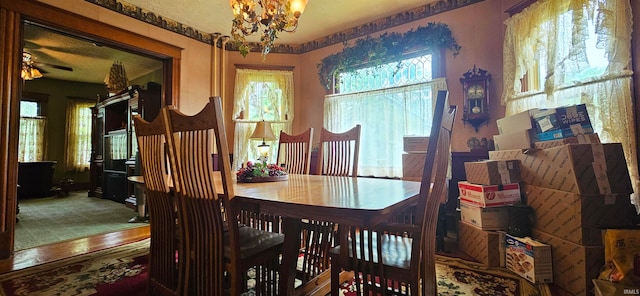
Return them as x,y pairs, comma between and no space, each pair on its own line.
48,253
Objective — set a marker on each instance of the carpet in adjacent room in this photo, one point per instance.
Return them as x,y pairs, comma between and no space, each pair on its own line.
53,219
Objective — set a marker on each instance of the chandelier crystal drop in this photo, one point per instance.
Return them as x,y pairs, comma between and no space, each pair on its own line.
268,16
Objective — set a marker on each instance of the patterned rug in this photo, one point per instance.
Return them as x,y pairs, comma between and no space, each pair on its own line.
123,271
460,277
113,272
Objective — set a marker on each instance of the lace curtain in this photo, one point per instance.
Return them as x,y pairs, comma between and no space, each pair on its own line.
78,142
567,42
386,116
31,145
260,95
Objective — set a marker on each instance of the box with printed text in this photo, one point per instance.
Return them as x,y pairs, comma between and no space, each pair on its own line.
489,195
529,258
415,144
493,218
482,245
580,139
577,168
578,218
574,265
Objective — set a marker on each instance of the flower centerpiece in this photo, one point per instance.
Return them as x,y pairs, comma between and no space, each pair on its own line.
261,172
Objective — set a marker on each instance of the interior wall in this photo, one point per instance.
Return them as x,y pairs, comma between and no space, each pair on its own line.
478,28
59,91
195,64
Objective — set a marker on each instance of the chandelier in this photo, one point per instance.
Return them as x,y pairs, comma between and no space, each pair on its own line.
273,16
29,71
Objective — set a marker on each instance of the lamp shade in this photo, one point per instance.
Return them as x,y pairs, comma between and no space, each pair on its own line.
263,131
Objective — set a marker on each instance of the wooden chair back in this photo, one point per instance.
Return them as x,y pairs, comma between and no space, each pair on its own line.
191,140
432,196
338,152
294,151
166,274
405,245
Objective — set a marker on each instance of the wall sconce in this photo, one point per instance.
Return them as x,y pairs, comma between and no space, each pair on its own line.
263,131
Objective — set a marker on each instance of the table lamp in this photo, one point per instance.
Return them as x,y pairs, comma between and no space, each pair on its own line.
263,131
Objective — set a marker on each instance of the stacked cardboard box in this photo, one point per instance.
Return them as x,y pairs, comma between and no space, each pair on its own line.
415,148
576,186
485,199
535,127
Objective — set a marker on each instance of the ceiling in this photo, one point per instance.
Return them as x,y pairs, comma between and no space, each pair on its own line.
90,62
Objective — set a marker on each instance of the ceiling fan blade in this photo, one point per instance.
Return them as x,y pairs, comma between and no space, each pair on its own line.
43,71
65,68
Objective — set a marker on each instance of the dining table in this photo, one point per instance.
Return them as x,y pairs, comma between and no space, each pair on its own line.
347,201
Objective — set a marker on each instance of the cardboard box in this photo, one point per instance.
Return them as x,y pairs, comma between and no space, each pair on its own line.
574,168
574,265
578,218
481,245
495,218
578,129
493,172
516,123
517,140
489,195
573,118
579,139
415,144
412,165
529,258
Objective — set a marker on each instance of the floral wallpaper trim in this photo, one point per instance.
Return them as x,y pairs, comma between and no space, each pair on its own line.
340,37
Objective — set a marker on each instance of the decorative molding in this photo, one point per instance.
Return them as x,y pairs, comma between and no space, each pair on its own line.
340,37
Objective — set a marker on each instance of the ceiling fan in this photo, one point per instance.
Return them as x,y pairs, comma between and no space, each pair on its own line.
32,69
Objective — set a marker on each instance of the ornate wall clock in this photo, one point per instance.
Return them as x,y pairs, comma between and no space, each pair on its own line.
475,86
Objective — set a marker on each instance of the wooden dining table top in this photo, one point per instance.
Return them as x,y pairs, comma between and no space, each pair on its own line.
317,196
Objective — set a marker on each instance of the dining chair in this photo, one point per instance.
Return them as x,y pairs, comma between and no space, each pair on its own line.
294,151
216,242
337,156
166,274
395,256
338,152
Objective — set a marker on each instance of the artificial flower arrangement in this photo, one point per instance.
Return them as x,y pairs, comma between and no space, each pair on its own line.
260,172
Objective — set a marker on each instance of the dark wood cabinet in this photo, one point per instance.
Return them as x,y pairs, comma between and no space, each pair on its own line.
113,139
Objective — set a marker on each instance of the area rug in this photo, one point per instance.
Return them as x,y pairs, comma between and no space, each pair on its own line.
459,277
115,271
123,271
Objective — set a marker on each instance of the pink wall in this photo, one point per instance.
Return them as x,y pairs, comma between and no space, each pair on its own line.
478,28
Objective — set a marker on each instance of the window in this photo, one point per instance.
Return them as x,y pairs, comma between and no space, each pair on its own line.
389,101
570,52
260,95
78,153
31,140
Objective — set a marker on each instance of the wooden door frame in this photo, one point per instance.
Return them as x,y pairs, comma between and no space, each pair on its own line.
12,16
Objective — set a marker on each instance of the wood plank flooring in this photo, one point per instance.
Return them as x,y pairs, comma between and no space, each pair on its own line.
52,252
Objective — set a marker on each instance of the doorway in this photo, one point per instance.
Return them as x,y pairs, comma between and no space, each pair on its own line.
67,72
14,15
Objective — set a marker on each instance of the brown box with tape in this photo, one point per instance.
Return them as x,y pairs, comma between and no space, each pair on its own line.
577,168
415,144
482,245
578,218
493,172
574,265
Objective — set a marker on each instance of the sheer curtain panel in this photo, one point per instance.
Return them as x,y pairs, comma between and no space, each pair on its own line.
386,116
559,52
